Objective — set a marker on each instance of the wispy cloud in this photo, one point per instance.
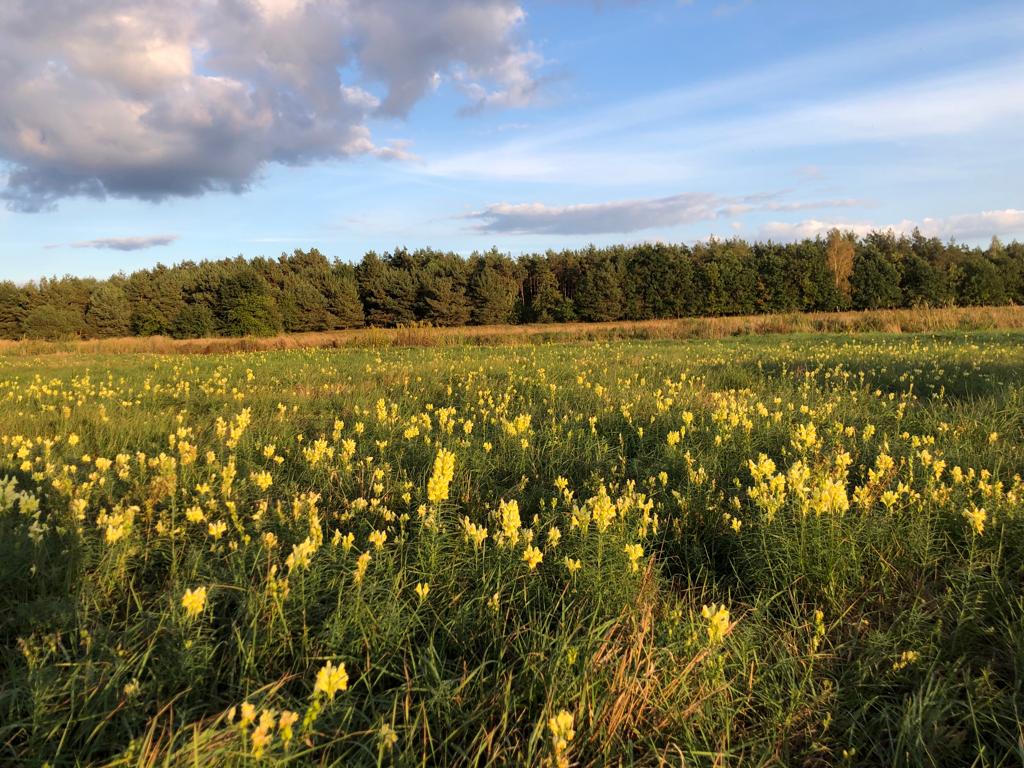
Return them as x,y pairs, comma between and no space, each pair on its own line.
624,216
815,100
127,243
964,226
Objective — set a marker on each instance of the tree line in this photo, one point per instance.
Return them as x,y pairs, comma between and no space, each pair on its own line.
306,291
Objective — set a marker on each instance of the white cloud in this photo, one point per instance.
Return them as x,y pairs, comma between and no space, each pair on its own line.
965,226
149,99
127,243
624,216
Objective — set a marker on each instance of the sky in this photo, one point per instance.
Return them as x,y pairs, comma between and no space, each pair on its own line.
134,132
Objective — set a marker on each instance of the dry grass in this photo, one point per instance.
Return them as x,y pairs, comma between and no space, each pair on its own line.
888,320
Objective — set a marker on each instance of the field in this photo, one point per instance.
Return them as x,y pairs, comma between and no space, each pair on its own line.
777,550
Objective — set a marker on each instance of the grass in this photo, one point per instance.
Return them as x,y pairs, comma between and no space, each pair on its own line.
916,320
847,594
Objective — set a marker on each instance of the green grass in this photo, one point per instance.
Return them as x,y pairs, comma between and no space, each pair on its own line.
916,656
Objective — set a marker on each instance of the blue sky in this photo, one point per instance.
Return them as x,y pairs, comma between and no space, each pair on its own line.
525,126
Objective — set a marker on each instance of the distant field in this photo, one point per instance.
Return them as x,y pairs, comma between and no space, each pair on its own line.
870,321
761,550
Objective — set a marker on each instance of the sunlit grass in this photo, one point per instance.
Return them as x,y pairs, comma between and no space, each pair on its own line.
776,550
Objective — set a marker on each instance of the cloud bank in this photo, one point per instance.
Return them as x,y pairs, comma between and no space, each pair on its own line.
625,216
964,226
148,99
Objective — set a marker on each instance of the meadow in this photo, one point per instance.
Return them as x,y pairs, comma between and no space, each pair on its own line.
778,550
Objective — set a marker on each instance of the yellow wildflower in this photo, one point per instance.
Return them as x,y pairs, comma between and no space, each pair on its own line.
330,680
194,601
532,556
976,516
362,563
717,617
634,552
285,723
262,480
387,736
562,731
905,660
441,478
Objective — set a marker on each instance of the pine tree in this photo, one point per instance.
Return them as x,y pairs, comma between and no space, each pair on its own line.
195,321
442,290
245,306
545,302
493,292
109,313
13,310
599,292
388,293
304,307
342,295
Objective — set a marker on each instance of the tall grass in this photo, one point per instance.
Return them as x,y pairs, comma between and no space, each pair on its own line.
418,335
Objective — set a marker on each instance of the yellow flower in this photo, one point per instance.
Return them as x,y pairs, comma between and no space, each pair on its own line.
248,714
717,617
830,497
441,478
634,552
572,565
377,538
267,718
562,731
387,736
508,511
330,680
532,556
422,589
602,509
301,555
194,601
806,438
474,533
285,723
906,659
261,738
262,480
976,516
362,563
